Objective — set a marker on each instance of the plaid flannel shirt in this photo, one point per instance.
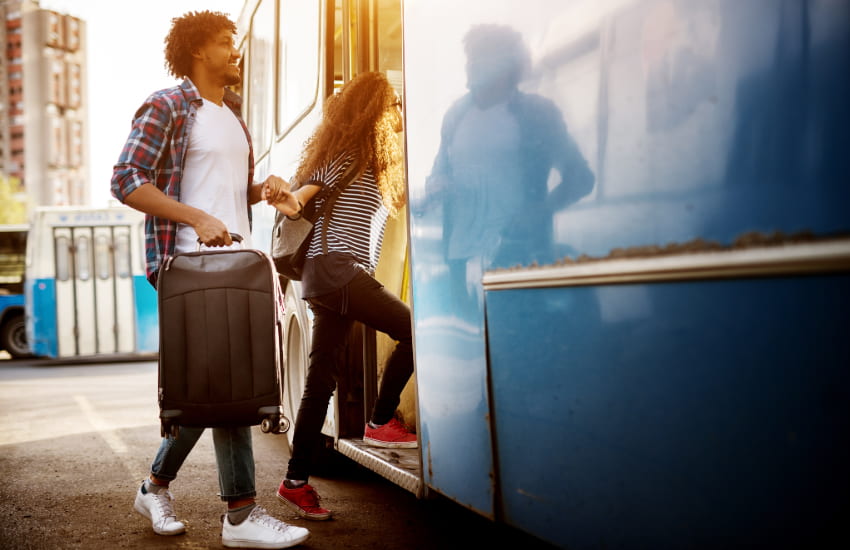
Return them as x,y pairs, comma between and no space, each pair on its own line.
155,153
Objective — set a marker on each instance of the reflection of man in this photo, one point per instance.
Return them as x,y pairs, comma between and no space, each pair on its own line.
498,147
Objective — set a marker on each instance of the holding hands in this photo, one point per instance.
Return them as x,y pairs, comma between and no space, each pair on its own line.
276,192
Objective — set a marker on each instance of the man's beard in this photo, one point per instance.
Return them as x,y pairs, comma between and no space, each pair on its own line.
232,79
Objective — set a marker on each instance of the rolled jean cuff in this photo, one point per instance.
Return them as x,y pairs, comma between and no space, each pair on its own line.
230,498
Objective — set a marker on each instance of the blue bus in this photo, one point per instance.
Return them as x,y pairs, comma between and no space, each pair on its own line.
626,248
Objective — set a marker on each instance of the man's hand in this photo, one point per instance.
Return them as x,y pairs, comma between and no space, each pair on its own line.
212,231
150,200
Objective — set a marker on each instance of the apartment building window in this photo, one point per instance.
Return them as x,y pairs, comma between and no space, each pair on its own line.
57,82
55,30
75,85
72,33
56,153
75,143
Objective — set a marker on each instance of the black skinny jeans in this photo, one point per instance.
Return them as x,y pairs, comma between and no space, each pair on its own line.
366,300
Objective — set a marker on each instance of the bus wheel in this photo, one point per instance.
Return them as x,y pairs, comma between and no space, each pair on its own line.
296,352
13,337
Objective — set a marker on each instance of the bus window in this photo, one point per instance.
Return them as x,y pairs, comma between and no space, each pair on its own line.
298,53
386,39
373,40
261,72
63,258
83,258
102,265
122,256
13,244
339,70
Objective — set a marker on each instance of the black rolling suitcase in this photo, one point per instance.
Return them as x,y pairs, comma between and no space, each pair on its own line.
220,315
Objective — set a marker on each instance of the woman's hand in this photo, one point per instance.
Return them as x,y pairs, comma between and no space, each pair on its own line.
276,192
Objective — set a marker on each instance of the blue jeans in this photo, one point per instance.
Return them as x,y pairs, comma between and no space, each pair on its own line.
234,455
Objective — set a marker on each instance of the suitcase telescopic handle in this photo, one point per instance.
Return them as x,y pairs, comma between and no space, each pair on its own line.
235,236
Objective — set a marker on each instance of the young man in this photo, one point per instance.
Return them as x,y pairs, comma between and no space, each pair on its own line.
188,164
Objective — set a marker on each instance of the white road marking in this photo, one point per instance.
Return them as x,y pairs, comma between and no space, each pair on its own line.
101,426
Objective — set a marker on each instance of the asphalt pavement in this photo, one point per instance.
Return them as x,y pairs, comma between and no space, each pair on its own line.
77,439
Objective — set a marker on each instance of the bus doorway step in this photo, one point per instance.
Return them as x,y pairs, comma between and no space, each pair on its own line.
401,466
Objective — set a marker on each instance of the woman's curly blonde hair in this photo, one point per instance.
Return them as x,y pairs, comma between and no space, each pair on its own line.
188,34
360,119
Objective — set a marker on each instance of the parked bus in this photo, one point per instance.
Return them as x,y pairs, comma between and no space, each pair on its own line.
627,251
86,291
13,244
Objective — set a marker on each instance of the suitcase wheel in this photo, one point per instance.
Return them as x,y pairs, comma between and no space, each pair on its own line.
276,425
283,425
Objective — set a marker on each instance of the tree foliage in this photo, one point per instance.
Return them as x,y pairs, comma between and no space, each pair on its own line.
13,205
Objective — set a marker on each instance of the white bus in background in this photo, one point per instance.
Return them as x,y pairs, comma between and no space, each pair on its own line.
86,291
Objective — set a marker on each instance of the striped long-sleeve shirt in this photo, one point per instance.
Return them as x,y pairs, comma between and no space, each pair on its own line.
355,231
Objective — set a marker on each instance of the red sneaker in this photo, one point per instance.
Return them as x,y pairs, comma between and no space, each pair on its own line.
392,435
304,500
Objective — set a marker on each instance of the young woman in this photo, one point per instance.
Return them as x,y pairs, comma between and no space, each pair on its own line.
355,146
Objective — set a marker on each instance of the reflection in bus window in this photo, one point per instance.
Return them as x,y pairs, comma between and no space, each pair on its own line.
298,48
122,256
102,264
83,258
63,255
261,71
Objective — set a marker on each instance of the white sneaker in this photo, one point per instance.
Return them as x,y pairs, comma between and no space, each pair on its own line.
260,530
158,509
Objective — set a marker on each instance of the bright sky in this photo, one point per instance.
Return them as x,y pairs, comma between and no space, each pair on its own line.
125,64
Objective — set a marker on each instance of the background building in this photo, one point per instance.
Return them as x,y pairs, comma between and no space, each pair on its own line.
43,111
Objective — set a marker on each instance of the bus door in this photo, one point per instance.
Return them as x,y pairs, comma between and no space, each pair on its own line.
93,284
366,36
114,289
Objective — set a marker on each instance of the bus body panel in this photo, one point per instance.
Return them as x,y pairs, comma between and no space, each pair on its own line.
704,126
673,415
9,302
147,328
41,317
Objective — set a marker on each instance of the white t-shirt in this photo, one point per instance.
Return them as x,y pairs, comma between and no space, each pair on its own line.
215,175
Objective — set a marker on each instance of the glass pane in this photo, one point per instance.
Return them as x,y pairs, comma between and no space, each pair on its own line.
299,59
13,246
388,47
337,30
261,70
83,258
122,256
63,256
102,263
